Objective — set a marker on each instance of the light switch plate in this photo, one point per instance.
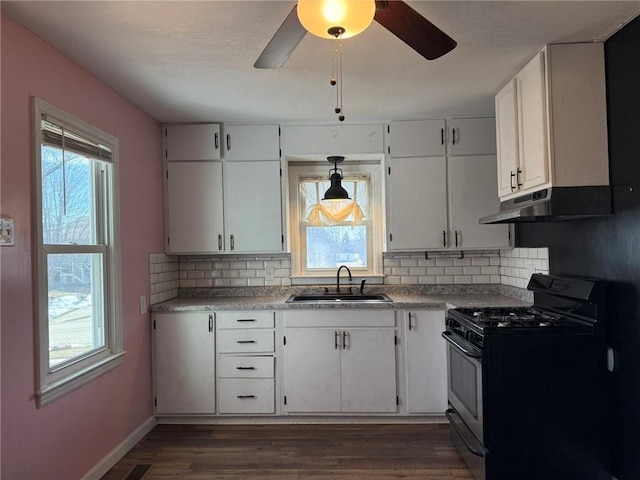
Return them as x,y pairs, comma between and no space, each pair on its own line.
143,304
7,227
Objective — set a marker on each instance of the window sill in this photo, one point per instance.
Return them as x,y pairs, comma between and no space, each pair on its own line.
54,391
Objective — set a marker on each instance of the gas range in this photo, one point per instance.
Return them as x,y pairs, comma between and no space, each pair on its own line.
528,385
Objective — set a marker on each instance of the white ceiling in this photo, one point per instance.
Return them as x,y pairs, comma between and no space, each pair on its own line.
192,61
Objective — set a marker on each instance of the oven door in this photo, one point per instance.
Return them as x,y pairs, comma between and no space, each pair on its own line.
464,382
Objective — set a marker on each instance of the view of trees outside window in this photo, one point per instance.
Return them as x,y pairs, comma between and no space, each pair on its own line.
340,236
76,323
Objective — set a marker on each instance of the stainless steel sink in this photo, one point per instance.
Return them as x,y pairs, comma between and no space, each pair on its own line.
338,297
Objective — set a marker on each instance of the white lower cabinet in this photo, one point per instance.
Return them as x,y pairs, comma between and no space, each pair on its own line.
246,362
184,363
326,362
426,361
340,363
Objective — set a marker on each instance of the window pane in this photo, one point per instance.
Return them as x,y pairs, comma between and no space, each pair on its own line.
67,192
75,304
330,247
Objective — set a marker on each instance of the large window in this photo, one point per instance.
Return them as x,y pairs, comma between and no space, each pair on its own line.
326,234
80,329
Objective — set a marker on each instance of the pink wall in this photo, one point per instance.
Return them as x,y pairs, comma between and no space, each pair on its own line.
67,438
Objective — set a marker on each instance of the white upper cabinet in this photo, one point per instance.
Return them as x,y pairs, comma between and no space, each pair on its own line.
253,215
507,138
551,122
194,217
435,202
417,203
471,136
233,205
300,140
192,142
472,195
417,138
251,142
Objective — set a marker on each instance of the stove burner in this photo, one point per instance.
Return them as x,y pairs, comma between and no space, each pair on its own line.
519,317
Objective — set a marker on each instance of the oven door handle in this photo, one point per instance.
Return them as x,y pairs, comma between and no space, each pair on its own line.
447,335
478,453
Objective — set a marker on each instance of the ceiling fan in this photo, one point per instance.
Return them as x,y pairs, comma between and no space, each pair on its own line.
395,15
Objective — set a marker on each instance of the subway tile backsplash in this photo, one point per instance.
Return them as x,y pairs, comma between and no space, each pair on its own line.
511,268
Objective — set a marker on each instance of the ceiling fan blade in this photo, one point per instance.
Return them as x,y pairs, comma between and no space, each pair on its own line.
413,29
283,42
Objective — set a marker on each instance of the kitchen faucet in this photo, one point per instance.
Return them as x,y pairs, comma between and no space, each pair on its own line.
338,277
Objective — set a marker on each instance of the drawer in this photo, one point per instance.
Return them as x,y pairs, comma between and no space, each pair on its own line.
245,341
245,319
232,366
246,395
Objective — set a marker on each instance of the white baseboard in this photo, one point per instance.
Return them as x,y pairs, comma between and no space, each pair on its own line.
97,472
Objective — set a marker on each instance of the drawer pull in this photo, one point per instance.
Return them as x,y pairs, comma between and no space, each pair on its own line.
245,368
245,396
246,320
246,341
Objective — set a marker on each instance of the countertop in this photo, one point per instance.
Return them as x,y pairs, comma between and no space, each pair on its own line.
400,301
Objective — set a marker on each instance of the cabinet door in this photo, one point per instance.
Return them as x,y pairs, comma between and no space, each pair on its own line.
418,138
251,142
532,124
194,207
472,136
192,142
417,197
253,207
333,139
368,371
472,195
312,370
507,138
426,362
184,363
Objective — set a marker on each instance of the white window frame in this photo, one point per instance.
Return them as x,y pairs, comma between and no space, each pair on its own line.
56,381
375,239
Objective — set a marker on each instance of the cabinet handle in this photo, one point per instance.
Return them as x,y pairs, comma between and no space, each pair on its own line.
335,339
344,340
246,320
220,242
245,368
246,341
245,396
453,136
456,232
232,242
211,323
518,172
216,141
410,315
511,177
228,141
442,136
444,238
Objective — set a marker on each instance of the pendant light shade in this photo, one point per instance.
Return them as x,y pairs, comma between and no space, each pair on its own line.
336,18
336,191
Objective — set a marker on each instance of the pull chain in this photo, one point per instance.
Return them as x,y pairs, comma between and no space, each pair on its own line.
336,75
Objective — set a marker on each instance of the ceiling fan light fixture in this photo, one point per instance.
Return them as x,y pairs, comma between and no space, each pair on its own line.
324,18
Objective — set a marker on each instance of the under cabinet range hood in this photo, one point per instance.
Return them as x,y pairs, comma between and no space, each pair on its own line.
554,204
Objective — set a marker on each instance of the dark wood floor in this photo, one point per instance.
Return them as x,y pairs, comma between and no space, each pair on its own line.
293,452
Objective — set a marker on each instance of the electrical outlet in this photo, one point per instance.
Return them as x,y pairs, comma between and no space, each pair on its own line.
7,227
143,305
270,274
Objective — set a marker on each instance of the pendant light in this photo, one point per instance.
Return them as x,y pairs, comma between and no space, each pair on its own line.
336,191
